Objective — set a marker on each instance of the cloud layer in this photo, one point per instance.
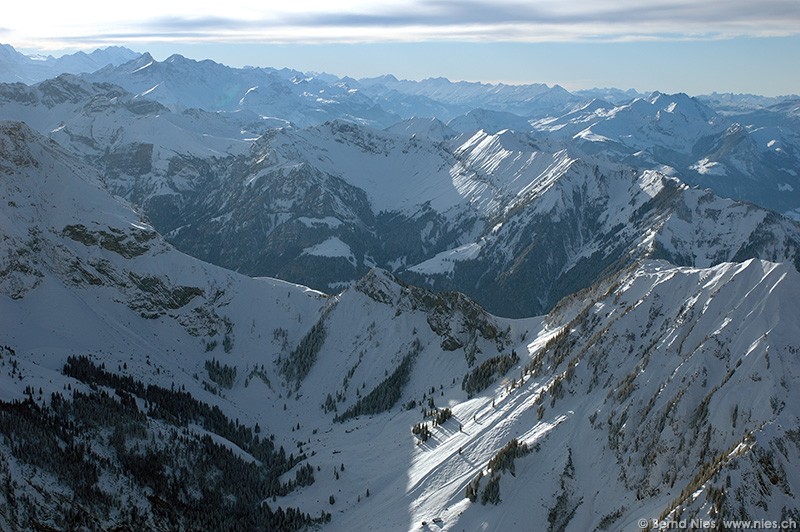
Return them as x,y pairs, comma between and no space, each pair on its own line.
416,21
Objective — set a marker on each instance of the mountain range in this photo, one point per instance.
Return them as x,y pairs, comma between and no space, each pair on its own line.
263,299
18,67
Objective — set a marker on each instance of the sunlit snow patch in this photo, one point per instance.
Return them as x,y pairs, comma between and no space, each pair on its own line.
281,283
651,183
328,221
445,261
707,167
141,68
332,247
251,89
591,136
148,91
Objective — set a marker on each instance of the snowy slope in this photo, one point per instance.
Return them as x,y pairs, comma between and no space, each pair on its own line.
398,198
569,222
628,389
395,170
82,274
649,378
101,250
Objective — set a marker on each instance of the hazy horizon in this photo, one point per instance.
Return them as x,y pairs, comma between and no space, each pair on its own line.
674,46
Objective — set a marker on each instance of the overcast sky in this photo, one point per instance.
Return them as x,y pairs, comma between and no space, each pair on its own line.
669,45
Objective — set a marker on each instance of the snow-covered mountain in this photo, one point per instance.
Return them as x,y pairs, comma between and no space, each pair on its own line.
16,67
163,392
311,98
694,138
282,95
574,225
431,128
468,206
146,151
91,118
449,99
506,218
635,396
489,121
674,122
733,104
610,94
751,155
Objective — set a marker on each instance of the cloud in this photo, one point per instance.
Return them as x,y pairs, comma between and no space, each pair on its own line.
177,24
466,20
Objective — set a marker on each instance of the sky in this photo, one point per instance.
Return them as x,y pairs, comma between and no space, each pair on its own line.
669,45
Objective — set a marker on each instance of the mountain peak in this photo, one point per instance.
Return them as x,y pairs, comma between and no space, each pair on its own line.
139,63
9,50
380,285
386,78
178,58
559,89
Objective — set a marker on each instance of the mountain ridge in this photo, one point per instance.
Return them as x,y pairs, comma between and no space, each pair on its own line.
18,67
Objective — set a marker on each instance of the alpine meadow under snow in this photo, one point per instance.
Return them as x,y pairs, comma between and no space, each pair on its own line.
261,299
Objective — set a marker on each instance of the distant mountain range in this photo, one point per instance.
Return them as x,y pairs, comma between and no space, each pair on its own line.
17,67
